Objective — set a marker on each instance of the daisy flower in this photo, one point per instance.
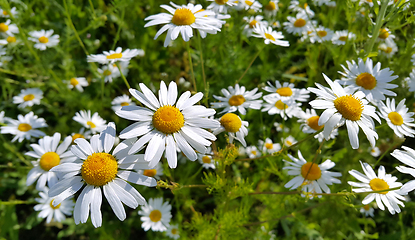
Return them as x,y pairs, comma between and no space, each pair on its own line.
156,172
8,28
289,141
341,37
221,6
297,25
236,128
372,182
24,127
268,146
118,55
369,2
218,24
372,81
77,83
328,3
311,177
320,34
375,152
385,35
100,171
298,7
280,127
6,14
274,105
207,159
397,118
271,9
81,134
251,22
47,210
287,92
252,152
411,81
309,124
120,102
168,125
406,157
44,39
9,40
237,99
155,215
250,5
48,155
367,210
5,59
95,123
173,231
109,71
28,97
388,48
182,20
344,108
269,35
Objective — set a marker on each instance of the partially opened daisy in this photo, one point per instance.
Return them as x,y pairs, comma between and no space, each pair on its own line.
155,215
221,6
343,36
120,102
375,152
100,172
287,92
47,210
372,81
270,36
81,134
166,125
110,57
28,97
341,107
407,157
237,99
236,128
44,39
24,127
312,177
95,123
48,155
8,28
77,83
398,118
182,20
372,182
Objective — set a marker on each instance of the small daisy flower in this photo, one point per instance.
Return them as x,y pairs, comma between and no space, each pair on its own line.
95,123
375,152
398,118
388,48
207,159
341,37
372,182
120,102
320,34
182,20
287,92
48,155
344,108
6,14
289,141
81,134
271,8
297,25
109,72
9,40
280,127
372,81
251,22
252,152
118,55
385,35
155,215
44,39
237,99
274,105
8,28
47,210
168,125
24,127
173,231
250,5
28,97
269,35
236,128
77,83
309,124
411,81
328,3
221,6
367,210
298,7
312,177
155,172
100,171
268,146
406,157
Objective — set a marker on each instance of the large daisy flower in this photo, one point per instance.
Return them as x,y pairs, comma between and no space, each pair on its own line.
236,128
28,97
44,39
269,35
95,123
341,107
406,157
168,125
155,215
24,127
398,118
287,92
48,155
182,20
101,171
372,182
118,55
237,99
372,81
47,210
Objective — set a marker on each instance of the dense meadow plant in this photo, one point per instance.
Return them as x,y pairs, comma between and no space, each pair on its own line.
299,114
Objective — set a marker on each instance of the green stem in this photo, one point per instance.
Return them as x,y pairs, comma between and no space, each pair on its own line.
71,25
325,194
379,22
93,9
250,64
201,60
117,36
191,65
123,77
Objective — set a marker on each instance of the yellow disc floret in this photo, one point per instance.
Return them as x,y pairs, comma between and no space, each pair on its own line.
270,6
24,127
269,145
107,72
343,38
313,171
53,207
43,39
253,23
155,216
183,16
29,97
280,105
300,23
49,160
312,122
349,107
366,80
124,104
91,124
236,100
114,56
99,169
383,34
231,122
11,39
150,172
322,33
269,36
395,118
77,135
206,159
74,82
168,119
3,27
221,2
378,184
249,3
285,91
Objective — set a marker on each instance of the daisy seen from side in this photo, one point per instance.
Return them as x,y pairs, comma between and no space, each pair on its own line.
28,97
9,40
236,128
289,141
367,210
81,134
287,92
343,36
120,102
252,152
237,99
47,210
274,105
271,8
388,49
8,28
155,215
270,36
320,34
309,124
110,57
407,157
77,83
155,172
24,127
221,6
375,152
94,123
303,8
411,81
43,39
398,118
6,14
252,5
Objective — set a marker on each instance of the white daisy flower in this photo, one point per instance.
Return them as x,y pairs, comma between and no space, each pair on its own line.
386,35
101,171
237,99
344,108
236,128
372,81
47,210
406,157
268,146
95,123
397,118
48,155
218,24
297,25
207,159
173,231
411,81
367,210
221,6
81,134
5,60
155,172
77,83
271,9
289,141
24,127
44,39
182,20
369,2
388,48
8,28
298,7
251,22
6,14
341,37
320,34
28,97
120,102
375,152
252,152
109,71
309,124
312,177
269,35
168,125
280,127
274,105
371,182
252,5
118,55
287,92
328,3
8,40
155,215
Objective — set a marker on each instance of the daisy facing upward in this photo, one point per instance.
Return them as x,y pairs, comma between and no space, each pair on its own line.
237,99
28,97
24,127
44,39
155,215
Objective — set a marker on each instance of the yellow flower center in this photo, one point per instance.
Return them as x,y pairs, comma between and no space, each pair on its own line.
168,119
253,152
269,36
349,107
155,216
124,104
183,16
300,23
366,80
378,184
3,27
107,72
231,122
388,50
77,135
280,105
11,39
206,159
383,33
249,3
236,100
313,171
270,6
313,123
24,127
99,169
269,145
114,56
43,39
49,160
395,118
91,124
284,91
366,207
303,6
288,142
343,38
5,12
29,97
53,207
322,33
253,23
221,2
150,172
174,231
74,82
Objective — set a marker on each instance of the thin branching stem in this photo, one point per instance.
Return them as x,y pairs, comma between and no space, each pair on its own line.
191,65
250,64
123,77
379,22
